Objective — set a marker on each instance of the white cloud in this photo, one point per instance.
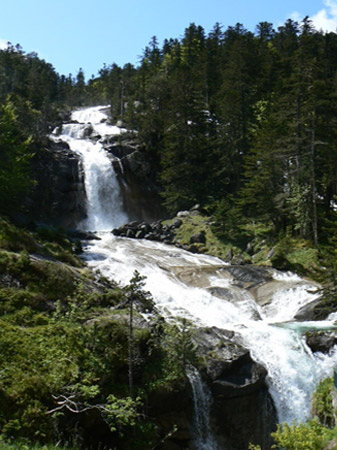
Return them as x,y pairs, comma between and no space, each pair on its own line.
296,17
3,44
326,18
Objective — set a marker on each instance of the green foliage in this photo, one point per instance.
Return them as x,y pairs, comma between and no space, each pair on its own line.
15,239
228,222
179,347
280,257
309,436
64,351
121,412
322,403
135,293
194,224
243,124
14,158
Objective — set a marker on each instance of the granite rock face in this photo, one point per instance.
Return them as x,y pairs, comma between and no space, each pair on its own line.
243,410
59,196
137,180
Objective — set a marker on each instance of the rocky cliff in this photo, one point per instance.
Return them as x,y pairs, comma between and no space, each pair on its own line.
59,196
139,188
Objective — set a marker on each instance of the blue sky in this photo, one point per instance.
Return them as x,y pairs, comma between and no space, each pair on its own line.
80,33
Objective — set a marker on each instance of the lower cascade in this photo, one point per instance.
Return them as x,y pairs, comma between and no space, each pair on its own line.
204,439
205,290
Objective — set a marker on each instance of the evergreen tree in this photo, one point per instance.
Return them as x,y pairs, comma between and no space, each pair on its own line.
15,179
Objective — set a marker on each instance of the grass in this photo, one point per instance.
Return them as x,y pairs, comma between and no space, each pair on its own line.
198,223
287,253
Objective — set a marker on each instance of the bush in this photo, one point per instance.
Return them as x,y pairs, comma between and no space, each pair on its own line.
322,403
309,436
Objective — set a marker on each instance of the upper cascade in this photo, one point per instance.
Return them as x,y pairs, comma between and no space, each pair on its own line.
104,203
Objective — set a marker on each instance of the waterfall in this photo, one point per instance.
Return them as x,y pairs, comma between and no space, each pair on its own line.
104,205
202,399
181,284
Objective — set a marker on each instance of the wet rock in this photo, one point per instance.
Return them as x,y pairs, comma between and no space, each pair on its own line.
146,227
249,275
243,377
228,365
140,234
134,224
59,145
243,410
152,237
143,230
221,292
130,233
84,235
88,130
309,311
321,341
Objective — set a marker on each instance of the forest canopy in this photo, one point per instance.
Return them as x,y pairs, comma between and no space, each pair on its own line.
241,123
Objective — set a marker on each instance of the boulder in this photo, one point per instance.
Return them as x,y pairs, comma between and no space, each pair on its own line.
130,233
198,238
309,311
88,131
248,276
177,223
146,227
140,234
183,214
321,341
8,281
243,410
84,235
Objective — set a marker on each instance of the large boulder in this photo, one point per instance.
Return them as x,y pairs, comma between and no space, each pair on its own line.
311,311
198,238
321,341
243,410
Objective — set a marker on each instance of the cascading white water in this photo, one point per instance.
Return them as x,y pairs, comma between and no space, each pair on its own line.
104,204
180,283
204,439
